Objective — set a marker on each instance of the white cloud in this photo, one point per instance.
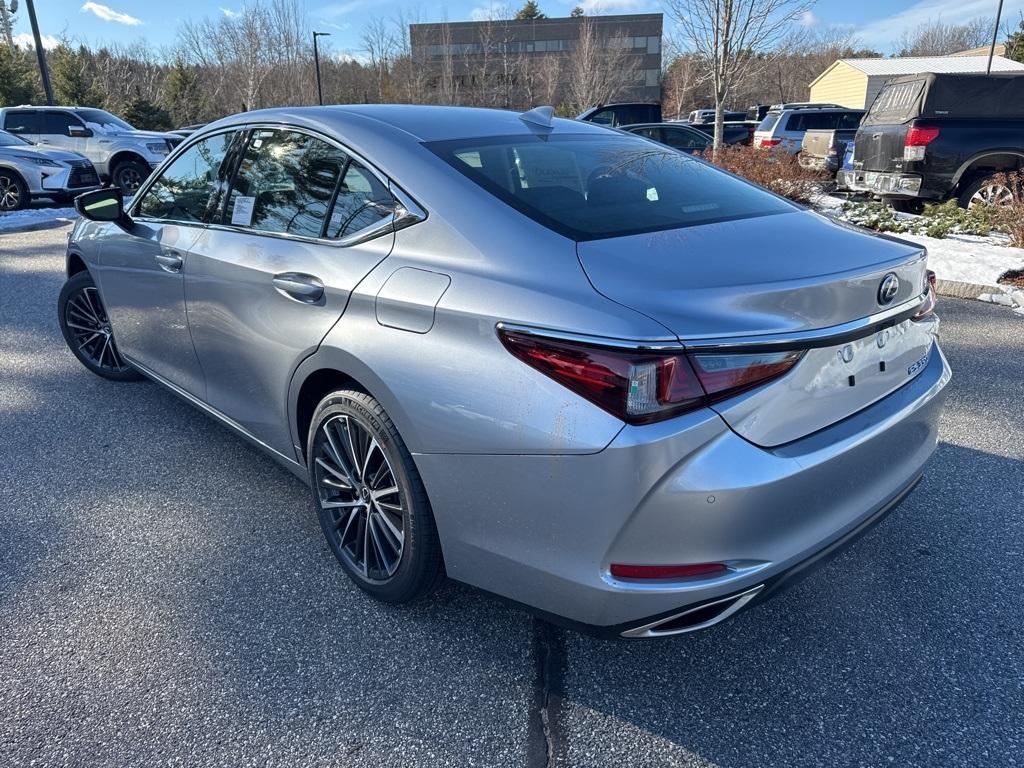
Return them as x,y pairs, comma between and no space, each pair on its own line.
603,6
24,40
228,12
489,12
808,19
109,14
885,31
334,10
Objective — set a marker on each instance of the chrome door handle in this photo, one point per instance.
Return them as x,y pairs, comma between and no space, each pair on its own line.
295,285
169,261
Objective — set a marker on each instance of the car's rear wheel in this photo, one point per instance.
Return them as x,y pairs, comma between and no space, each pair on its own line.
987,190
13,192
86,328
371,502
129,175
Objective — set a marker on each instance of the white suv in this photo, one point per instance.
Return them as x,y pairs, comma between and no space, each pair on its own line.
119,152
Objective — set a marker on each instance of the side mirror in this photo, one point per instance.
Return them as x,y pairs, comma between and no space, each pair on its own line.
104,205
79,131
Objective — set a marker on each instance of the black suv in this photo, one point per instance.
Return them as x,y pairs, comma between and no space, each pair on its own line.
935,137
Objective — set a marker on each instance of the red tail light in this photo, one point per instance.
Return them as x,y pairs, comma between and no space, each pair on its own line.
644,387
930,300
921,135
620,571
769,142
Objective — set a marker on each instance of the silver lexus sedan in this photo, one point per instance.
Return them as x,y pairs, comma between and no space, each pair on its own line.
558,362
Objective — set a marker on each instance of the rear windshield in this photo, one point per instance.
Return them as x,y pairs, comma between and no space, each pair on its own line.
769,121
896,103
588,186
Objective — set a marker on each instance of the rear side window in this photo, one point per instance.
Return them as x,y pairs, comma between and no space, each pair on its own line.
285,183
191,188
769,122
591,186
683,139
362,202
604,117
21,122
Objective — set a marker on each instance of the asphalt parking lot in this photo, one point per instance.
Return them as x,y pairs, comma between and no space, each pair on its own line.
166,598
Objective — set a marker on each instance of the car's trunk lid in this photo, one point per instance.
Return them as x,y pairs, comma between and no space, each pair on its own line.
794,275
879,148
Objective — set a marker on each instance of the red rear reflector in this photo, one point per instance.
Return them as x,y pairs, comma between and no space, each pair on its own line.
921,135
620,571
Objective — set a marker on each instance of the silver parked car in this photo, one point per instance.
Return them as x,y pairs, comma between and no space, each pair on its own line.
539,356
120,153
785,128
28,172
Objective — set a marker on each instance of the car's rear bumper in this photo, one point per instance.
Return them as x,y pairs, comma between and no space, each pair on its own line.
544,530
904,185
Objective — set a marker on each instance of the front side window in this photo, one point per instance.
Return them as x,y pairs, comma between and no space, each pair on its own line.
58,123
592,186
285,183
191,188
604,117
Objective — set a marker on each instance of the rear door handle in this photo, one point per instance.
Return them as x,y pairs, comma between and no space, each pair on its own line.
300,287
169,261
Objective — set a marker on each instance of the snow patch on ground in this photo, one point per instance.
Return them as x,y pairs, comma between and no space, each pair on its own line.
32,216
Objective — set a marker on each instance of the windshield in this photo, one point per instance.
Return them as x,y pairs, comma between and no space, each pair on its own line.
592,186
106,121
10,140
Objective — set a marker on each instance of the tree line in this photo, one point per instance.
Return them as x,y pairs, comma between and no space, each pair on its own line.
262,56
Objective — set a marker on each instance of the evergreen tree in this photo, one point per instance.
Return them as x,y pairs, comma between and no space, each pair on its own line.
183,94
1015,43
19,82
577,12
530,10
147,116
71,79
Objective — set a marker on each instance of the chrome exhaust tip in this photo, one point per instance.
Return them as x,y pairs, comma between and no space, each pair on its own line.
693,619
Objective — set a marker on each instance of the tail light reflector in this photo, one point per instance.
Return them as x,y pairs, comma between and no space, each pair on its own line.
918,137
932,298
643,387
692,570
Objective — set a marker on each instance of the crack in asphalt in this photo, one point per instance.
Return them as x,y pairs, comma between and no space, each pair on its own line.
549,660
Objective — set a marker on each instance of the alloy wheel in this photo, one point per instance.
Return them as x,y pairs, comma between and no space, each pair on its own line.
991,194
129,179
10,194
357,486
90,328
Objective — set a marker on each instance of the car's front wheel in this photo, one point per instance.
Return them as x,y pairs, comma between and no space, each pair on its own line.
371,502
13,192
129,175
86,328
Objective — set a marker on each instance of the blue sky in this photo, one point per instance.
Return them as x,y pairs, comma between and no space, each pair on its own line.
878,23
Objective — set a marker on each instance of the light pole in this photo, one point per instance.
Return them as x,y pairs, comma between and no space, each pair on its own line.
995,34
316,60
40,53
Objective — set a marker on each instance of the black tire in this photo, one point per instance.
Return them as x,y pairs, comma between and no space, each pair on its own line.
985,186
13,192
129,175
905,205
86,329
364,523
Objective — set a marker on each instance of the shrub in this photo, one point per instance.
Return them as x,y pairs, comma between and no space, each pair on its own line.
1010,218
776,170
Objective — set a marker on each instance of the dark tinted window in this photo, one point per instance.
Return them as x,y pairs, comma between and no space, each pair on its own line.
897,102
21,122
850,120
680,138
604,117
362,202
285,183
56,123
191,188
588,186
651,132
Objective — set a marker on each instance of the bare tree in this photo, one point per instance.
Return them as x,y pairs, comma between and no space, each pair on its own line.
379,44
600,67
935,38
734,36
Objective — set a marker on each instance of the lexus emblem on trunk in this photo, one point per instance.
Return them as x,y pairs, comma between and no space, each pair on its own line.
888,289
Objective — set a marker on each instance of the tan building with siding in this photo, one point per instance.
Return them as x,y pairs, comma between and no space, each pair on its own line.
855,82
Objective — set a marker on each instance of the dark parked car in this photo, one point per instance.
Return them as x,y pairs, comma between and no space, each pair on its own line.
626,113
935,137
824,150
685,138
707,116
733,132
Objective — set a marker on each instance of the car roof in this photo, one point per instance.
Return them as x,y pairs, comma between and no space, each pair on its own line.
684,126
411,122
